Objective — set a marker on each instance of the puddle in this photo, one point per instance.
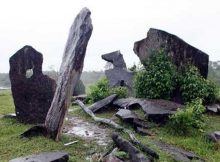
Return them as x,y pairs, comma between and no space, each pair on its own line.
88,131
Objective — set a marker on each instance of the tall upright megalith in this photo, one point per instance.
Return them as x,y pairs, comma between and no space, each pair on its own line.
32,90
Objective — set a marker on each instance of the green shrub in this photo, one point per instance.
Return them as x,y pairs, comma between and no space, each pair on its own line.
157,79
121,92
98,91
193,85
101,90
188,119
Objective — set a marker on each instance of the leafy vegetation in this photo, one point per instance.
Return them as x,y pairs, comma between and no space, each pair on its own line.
101,90
157,78
188,119
193,85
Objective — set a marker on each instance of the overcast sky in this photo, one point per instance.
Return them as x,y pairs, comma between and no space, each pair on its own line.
44,24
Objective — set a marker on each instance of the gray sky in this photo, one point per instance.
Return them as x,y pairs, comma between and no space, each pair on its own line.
44,24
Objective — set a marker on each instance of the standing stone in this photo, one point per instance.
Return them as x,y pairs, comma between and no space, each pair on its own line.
119,75
32,90
70,71
181,52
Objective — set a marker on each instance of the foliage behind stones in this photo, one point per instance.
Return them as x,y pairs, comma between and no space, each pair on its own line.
101,90
158,77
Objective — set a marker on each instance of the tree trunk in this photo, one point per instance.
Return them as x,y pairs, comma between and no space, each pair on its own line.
70,71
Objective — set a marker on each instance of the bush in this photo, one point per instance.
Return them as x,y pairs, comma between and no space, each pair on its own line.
101,90
157,79
188,119
193,85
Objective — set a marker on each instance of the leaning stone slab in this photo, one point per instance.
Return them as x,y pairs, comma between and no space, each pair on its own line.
32,93
181,52
44,157
97,106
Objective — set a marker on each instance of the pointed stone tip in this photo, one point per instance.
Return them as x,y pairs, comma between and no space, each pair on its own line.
85,9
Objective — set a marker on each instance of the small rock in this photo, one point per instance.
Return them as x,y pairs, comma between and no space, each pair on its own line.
214,136
143,131
214,108
126,115
44,157
111,158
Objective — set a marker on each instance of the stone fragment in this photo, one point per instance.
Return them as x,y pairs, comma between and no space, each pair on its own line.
181,52
111,158
214,136
97,106
214,108
32,90
126,115
44,157
143,131
116,58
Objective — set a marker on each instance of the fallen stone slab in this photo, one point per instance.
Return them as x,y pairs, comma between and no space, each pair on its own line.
126,115
134,153
214,136
128,103
99,105
178,154
44,157
214,108
156,110
181,52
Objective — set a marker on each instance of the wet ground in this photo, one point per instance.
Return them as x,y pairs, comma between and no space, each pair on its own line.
87,130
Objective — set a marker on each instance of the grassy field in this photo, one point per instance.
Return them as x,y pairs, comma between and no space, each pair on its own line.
11,146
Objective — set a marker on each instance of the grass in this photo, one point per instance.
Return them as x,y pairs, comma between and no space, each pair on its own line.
12,146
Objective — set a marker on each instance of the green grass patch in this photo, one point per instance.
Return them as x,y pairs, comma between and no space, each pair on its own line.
12,146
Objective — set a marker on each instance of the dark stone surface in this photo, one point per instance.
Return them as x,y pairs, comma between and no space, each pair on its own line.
44,157
126,115
214,108
180,51
155,110
116,58
79,88
119,75
214,136
143,131
32,96
111,158
100,105
178,154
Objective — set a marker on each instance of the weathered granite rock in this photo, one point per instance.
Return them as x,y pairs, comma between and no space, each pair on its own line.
116,58
155,110
119,75
214,108
32,94
214,136
180,51
178,154
44,157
